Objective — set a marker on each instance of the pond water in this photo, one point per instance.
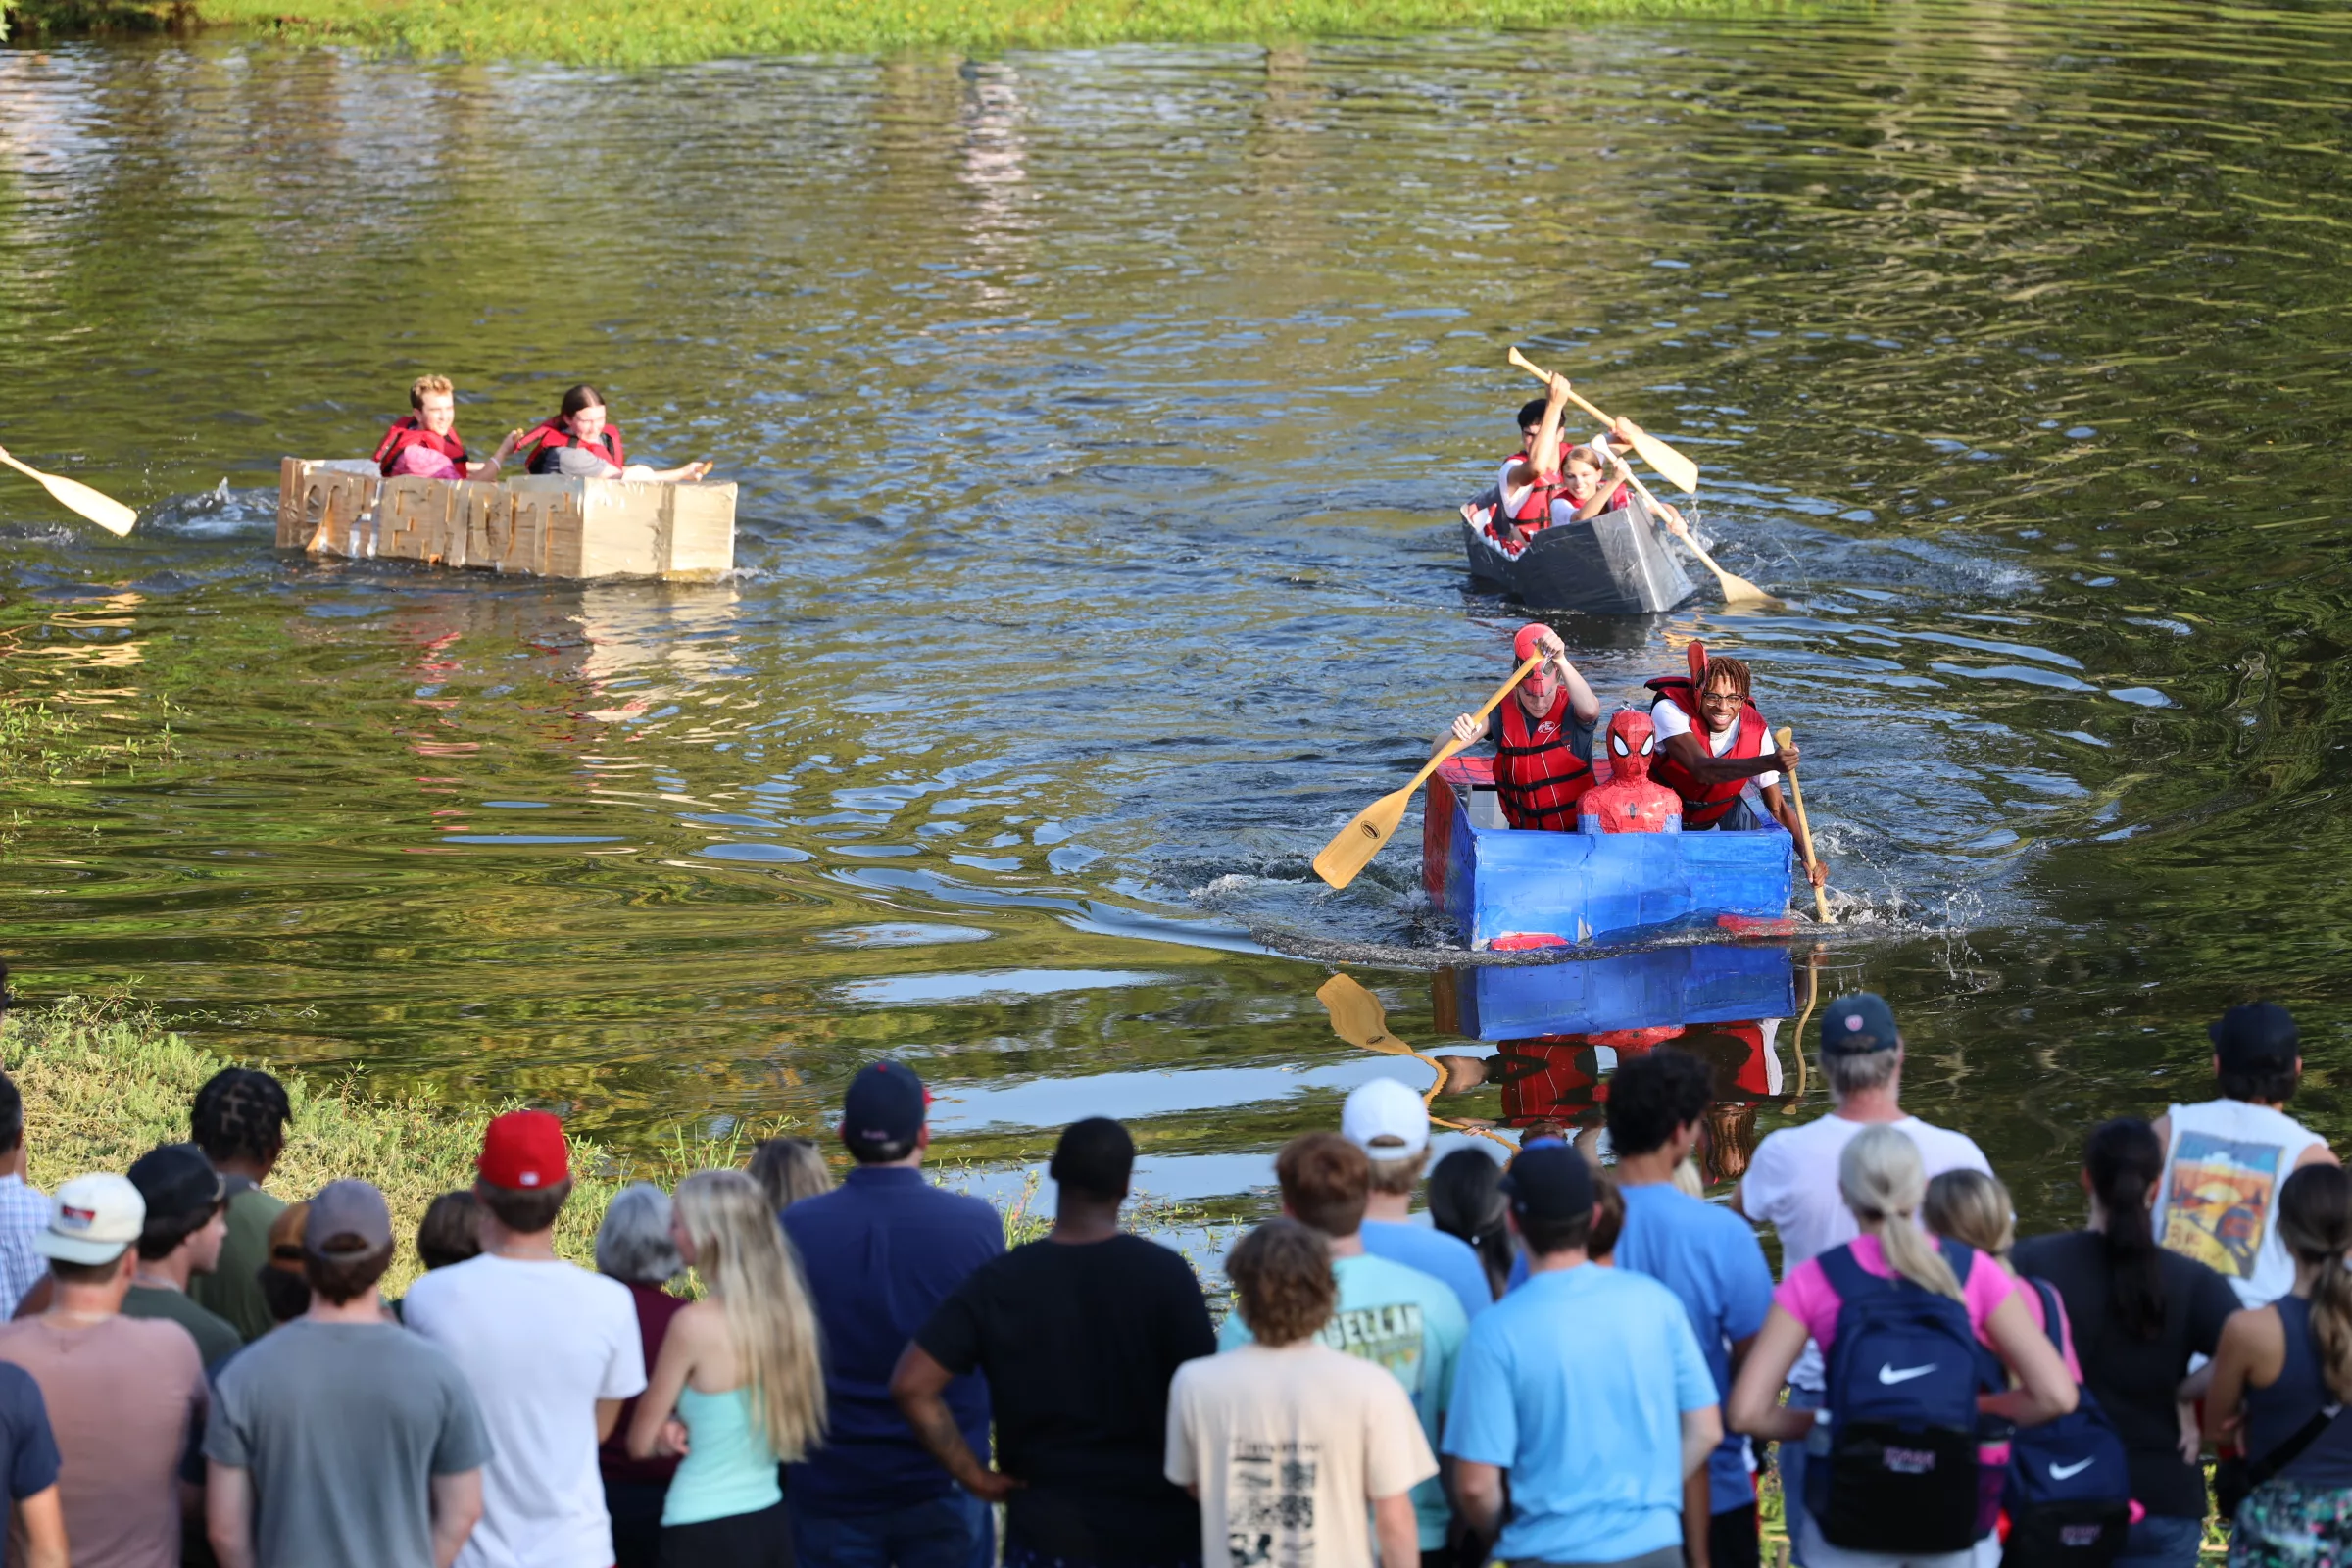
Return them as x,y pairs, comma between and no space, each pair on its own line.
1099,417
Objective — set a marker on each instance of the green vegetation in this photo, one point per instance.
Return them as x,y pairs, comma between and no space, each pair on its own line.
619,33
104,1082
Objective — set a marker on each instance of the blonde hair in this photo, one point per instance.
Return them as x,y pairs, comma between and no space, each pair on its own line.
1970,1206
1687,1181
423,385
741,1253
1882,1180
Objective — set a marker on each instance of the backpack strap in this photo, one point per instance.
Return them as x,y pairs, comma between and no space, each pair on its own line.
1846,1276
1958,1256
2053,1323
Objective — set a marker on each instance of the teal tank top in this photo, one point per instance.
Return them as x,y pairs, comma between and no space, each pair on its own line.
730,1469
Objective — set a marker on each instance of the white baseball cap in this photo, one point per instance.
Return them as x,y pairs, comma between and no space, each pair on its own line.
1383,1107
92,1219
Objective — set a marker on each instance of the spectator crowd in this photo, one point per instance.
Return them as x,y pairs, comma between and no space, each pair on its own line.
1575,1359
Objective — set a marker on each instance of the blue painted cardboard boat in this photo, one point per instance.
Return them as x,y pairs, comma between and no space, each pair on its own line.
1506,889
1647,988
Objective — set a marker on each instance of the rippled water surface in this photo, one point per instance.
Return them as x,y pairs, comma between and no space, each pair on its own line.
1097,417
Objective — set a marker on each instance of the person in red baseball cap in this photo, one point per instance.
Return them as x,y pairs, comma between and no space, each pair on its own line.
1543,736
551,1351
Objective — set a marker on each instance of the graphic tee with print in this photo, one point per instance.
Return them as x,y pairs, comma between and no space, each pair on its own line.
2222,1177
1409,1322
1288,1449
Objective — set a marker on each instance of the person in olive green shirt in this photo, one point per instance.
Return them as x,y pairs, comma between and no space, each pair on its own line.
240,1123
187,1220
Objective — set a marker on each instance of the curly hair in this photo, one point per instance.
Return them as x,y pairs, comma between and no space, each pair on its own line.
1731,672
1282,1282
425,387
241,1113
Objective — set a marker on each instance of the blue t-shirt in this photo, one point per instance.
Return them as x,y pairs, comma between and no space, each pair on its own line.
880,1252
1576,1383
28,1448
1409,1322
1434,1253
1711,1260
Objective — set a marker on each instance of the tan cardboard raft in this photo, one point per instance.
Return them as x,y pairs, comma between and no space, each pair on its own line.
542,526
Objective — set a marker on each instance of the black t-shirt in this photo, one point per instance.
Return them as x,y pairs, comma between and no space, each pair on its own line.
2134,1379
1078,1343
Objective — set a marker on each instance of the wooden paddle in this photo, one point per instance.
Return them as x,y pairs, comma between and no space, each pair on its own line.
104,511
1676,470
1357,1018
1821,898
1355,843
1735,588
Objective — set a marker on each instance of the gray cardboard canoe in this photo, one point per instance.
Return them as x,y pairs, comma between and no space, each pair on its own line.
1617,564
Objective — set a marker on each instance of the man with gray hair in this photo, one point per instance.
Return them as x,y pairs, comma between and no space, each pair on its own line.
634,1246
1791,1184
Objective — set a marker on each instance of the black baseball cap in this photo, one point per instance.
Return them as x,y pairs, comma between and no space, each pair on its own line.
885,1104
2255,1036
1858,1025
178,1184
1550,1182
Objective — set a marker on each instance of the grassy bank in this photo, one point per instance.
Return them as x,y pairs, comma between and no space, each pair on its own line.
104,1083
624,32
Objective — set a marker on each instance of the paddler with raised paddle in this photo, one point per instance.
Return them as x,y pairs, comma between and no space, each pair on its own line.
1546,745
1543,736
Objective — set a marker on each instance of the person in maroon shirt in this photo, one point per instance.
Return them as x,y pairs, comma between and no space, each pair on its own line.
634,1246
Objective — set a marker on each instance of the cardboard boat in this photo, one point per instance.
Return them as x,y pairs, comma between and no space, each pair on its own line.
1647,988
535,525
1506,889
1616,564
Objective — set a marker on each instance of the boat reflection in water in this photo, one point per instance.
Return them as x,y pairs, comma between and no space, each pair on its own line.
1561,1029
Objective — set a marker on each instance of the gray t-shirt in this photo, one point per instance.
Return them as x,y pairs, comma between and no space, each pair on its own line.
343,1427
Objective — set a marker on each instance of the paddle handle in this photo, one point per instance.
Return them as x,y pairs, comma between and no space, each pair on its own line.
1451,747
1820,898
26,469
1722,579
1539,374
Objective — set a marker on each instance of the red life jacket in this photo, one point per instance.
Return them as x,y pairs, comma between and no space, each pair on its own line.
1536,508
1706,804
1538,776
406,433
543,439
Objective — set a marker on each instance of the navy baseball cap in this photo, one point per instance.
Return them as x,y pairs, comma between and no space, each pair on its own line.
885,1104
2254,1036
1858,1025
1550,1182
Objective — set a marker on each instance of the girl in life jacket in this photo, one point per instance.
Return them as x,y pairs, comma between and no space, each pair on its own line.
1543,484
1719,756
425,443
1543,736
1631,802
581,443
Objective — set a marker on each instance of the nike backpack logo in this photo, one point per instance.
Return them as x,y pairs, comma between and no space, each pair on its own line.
1891,1375
2063,1472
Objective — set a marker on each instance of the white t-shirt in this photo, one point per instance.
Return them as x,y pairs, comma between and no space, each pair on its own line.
1668,720
2220,1202
540,1343
1289,1447
1791,1185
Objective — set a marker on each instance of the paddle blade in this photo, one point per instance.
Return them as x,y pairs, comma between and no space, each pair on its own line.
1738,589
1357,1018
1352,849
1675,468
104,511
